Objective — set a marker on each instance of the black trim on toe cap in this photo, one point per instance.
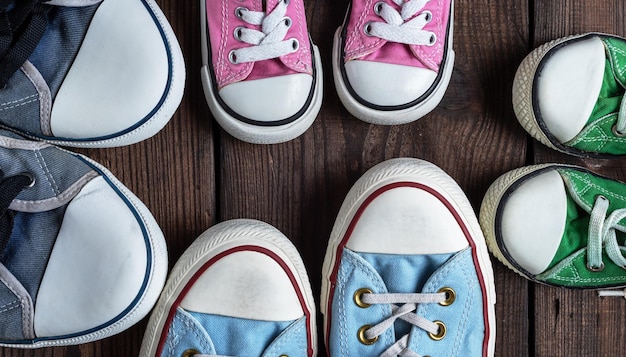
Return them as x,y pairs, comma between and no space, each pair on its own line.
535,101
243,119
415,102
498,220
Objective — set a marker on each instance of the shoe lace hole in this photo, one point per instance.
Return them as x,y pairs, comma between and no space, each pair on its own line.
428,16
368,29
616,132
450,296
232,57
363,339
239,11
295,44
440,334
595,269
378,8
358,297
287,21
432,39
30,177
238,33
190,353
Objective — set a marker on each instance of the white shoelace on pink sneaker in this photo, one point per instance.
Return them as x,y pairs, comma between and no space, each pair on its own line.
404,312
403,27
268,43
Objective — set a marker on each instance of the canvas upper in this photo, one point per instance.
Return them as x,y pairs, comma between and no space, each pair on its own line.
407,270
569,94
81,258
558,225
240,289
90,73
393,59
261,74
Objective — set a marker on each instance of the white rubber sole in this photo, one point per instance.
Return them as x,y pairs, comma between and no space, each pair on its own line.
251,133
408,170
162,114
392,117
215,240
155,281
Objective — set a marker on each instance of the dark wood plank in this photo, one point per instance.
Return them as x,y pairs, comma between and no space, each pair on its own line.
569,322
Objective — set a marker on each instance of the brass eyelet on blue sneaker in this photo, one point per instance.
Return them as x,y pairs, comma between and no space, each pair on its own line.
190,352
363,339
450,296
440,334
358,297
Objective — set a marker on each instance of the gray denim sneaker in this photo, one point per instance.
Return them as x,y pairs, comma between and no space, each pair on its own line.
88,73
81,258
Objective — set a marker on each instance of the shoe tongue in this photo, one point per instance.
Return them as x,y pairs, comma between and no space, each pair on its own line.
405,274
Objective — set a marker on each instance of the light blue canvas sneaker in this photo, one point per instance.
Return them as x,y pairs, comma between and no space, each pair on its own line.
240,289
407,270
88,73
81,258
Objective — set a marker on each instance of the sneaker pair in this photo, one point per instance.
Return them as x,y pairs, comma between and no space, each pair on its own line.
561,224
262,76
81,257
406,273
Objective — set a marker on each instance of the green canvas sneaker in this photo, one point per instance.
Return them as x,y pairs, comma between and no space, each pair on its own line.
558,225
568,94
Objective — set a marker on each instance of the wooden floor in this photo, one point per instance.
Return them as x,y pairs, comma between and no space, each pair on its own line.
193,175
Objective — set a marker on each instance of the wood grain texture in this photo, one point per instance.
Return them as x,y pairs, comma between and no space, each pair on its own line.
192,174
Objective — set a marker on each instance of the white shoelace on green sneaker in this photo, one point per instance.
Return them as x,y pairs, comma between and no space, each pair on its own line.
620,127
602,234
406,313
270,41
401,27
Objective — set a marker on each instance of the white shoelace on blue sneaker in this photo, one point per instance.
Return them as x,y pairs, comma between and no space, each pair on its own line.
268,43
403,312
402,27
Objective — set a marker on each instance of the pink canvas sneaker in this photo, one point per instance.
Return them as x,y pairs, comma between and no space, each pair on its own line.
392,59
261,74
